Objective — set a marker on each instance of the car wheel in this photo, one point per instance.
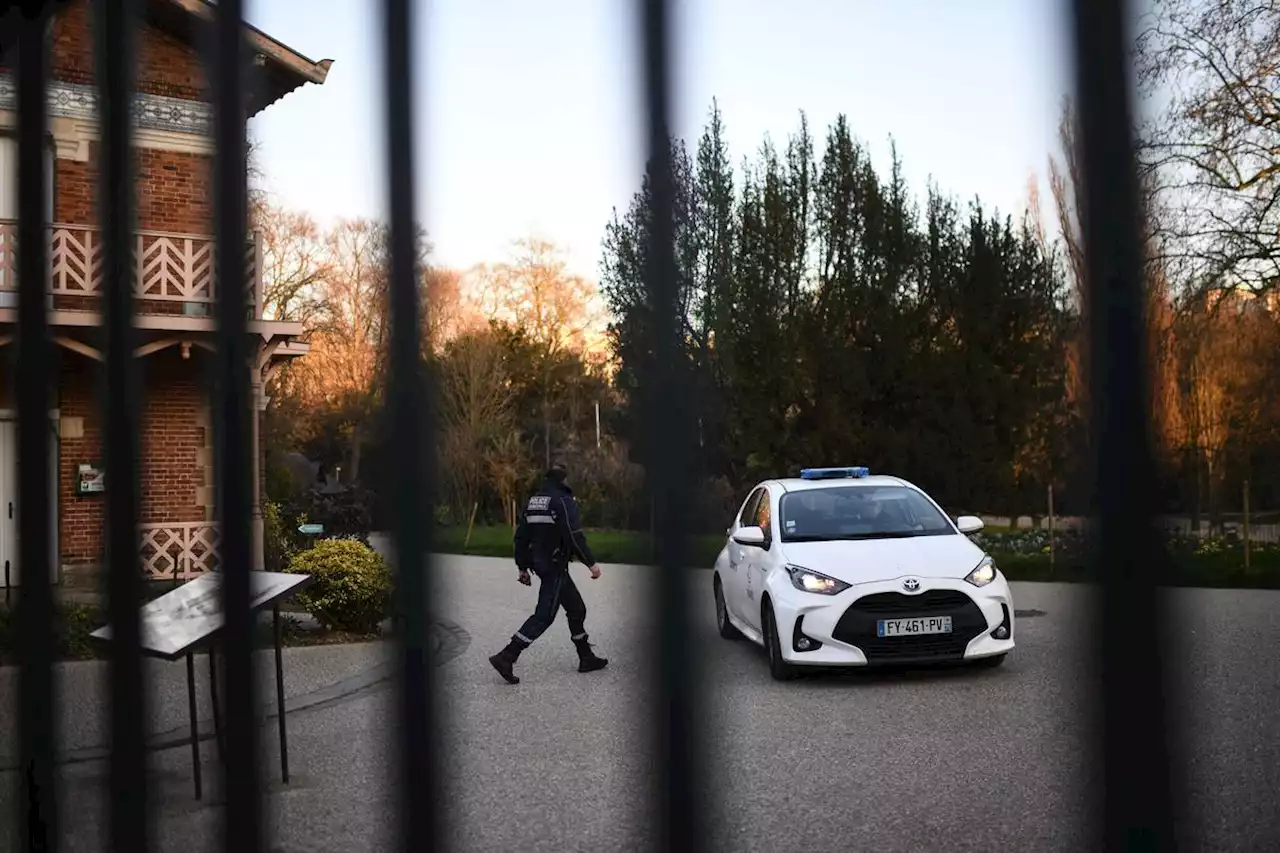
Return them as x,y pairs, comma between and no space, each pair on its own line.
778,668
722,614
991,661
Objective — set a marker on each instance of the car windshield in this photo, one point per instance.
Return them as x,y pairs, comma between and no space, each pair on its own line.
859,512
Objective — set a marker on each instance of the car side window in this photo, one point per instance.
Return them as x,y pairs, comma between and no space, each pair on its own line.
764,514
746,519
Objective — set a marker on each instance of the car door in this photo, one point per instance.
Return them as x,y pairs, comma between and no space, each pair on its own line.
734,582
757,560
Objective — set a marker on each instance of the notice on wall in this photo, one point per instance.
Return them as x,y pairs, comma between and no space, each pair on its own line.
89,480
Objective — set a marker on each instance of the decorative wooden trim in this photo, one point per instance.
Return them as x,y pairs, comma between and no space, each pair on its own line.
71,137
179,549
78,346
78,101
167,267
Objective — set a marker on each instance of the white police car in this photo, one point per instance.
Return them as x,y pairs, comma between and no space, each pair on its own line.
841,568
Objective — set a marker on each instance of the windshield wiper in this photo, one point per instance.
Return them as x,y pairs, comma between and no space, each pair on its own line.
854,537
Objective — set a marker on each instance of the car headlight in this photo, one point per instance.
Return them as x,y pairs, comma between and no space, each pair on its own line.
807,580
984,574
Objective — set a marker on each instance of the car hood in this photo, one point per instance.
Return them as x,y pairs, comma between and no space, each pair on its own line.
867,560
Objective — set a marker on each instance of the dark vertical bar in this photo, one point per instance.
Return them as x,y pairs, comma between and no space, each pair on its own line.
280,720
415,474
38,806
676,739
114,23
195,727
1129,553
244,804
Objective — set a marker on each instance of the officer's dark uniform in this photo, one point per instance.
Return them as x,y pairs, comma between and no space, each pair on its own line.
548,536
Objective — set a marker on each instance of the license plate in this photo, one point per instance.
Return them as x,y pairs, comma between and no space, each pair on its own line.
912,627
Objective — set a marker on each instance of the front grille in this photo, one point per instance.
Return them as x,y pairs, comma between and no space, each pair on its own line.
857,626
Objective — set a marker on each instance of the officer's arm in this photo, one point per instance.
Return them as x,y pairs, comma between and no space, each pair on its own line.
573,526
523,542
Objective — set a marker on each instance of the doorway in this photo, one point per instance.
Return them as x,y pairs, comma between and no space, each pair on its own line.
10,573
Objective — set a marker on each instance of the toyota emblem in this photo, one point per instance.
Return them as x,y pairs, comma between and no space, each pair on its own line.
911,584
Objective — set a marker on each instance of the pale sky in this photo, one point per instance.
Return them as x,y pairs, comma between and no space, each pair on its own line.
529,116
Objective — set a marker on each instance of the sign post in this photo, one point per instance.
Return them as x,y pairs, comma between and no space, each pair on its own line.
179,623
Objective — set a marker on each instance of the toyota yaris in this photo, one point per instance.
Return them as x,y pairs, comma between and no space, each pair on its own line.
841,568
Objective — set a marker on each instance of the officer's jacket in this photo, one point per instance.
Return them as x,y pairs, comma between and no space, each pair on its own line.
550,530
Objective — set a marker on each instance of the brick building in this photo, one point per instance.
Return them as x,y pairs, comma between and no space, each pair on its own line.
175,288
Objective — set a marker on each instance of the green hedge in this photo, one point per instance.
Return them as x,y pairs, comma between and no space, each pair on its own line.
1212,564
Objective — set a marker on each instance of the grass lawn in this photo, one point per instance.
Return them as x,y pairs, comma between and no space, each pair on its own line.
1222,569
609,546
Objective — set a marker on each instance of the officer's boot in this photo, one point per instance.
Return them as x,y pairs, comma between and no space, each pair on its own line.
504,660
587,659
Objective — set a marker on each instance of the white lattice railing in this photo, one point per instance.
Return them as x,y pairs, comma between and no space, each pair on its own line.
169,267
181,550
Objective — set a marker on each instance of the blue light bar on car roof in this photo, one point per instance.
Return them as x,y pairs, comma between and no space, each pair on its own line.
832,473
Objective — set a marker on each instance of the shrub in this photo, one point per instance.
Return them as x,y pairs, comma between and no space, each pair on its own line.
280,538
351,590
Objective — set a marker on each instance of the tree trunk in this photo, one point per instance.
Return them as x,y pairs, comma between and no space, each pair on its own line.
356,433
1196,506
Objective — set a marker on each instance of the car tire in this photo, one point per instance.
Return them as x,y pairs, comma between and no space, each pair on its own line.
778,668
722,614
991,661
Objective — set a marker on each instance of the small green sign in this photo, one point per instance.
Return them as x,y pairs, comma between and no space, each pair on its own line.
310,529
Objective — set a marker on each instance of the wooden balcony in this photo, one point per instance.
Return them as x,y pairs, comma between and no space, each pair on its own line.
174,272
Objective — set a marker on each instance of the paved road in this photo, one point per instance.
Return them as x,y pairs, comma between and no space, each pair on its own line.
959,761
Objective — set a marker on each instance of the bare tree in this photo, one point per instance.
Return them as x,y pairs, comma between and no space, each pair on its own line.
1212,150
1067,186
347,335
295,263
477,417
535,292
447,310
1228,341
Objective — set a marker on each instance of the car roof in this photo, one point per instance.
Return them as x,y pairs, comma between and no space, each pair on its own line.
797,484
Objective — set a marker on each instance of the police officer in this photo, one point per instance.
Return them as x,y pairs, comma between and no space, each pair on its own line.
548,536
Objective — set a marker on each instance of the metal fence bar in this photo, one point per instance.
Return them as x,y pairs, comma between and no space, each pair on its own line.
676,742
243,817
38,805
115,23
1137,808
415,471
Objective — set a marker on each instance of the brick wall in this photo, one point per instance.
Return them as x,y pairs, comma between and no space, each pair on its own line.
166,66
173,191
173,445
173,187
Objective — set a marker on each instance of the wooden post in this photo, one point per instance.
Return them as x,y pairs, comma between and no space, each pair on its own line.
1051,530
470,524
1246,525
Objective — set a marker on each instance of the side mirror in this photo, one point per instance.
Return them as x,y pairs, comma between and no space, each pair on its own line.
749,536
969,524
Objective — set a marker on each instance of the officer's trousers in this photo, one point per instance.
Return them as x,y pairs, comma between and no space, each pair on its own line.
556,589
